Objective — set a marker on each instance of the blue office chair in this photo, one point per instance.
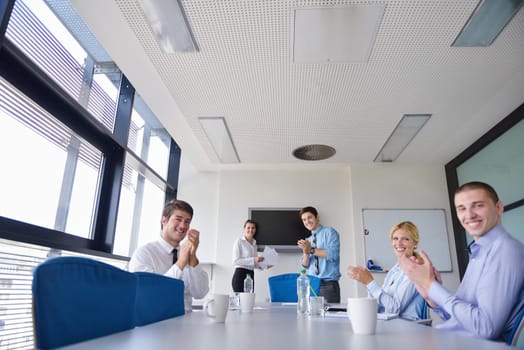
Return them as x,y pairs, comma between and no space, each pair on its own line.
158,298
425,317
283,288
514,336
76,299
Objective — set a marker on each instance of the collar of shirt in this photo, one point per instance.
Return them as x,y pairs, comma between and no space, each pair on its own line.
320,227
245,239
486,240
168,248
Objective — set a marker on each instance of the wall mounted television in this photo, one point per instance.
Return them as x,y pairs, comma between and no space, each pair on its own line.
279,228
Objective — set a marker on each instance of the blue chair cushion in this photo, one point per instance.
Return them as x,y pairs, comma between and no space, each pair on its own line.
158,298
283,288
76,299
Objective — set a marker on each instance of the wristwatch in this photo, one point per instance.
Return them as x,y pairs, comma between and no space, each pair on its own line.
312,251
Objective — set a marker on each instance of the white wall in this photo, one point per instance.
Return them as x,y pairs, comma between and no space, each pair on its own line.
221,202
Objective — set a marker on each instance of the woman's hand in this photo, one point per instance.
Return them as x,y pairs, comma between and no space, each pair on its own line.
359,274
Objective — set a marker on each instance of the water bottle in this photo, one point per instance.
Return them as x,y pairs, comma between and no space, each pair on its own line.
303,293
248,284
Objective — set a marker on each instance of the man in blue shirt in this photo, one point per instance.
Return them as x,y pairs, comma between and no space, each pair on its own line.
491,293
321,254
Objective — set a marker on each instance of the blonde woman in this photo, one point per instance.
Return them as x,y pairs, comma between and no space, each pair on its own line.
398,294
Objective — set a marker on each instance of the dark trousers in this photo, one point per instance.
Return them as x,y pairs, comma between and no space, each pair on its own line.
330,290
238,279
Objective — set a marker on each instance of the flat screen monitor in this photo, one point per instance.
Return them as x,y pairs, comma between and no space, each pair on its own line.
279,228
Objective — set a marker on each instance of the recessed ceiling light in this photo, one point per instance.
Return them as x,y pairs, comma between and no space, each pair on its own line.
404,132
220,138
487,21
169,24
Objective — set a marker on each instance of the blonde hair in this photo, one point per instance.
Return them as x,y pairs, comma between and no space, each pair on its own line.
412,231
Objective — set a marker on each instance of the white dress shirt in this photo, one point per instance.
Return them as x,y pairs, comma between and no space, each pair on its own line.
157,257
244,254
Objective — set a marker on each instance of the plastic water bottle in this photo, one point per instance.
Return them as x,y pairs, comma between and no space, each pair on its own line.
248,284
303,293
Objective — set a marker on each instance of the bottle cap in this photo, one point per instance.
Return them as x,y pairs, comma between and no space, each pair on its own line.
303,271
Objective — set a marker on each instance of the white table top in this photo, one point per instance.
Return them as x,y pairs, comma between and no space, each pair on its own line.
279,327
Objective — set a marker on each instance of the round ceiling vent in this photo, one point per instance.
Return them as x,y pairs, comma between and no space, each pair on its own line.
314,152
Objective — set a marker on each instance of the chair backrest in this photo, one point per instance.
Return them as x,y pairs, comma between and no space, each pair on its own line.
283,288
513,338
158,298
76,299
425,316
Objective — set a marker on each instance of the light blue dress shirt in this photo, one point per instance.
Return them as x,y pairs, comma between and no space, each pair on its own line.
398,295
492,291
329,268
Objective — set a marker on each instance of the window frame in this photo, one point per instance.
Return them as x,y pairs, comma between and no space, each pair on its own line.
461,244
29,79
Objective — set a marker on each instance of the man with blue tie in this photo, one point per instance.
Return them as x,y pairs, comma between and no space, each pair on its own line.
321,254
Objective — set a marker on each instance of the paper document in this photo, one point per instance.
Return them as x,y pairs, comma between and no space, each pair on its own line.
343,314
270,257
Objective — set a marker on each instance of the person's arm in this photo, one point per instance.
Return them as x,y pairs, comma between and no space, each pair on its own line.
396,293
141,260
331,250
197,281
495,293
305,246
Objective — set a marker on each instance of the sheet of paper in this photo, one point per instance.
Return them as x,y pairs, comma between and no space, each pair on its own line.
343,314
270,257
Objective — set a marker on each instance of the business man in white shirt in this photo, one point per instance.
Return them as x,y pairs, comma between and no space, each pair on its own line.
169,257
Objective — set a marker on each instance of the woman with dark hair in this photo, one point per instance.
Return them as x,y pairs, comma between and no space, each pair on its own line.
245,256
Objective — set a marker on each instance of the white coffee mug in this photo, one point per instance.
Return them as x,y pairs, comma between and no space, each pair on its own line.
217,307
247,301
362,313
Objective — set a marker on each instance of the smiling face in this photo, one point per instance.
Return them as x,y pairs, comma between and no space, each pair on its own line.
310,221
402,243
174,227
249,231
477,211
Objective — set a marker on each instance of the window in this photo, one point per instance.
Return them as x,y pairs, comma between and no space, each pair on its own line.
81,174
497,158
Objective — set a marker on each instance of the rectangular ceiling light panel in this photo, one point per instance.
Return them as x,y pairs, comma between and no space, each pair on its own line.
169,25
335,34
219,136
488,20
404,132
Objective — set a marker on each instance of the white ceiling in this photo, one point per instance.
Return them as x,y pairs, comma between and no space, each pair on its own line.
244,71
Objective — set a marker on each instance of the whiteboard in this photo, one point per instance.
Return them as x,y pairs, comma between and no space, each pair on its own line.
432,228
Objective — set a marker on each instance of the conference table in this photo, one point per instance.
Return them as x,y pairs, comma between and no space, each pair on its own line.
277,326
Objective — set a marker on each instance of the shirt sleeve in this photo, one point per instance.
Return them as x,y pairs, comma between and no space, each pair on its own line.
395,295
495,293
332,245
141,261
238,259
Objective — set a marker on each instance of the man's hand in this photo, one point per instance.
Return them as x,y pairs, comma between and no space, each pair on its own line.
183,254
193,237
420,271
305,245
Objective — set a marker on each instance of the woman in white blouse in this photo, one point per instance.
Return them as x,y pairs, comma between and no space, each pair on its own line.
245,256
398,294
